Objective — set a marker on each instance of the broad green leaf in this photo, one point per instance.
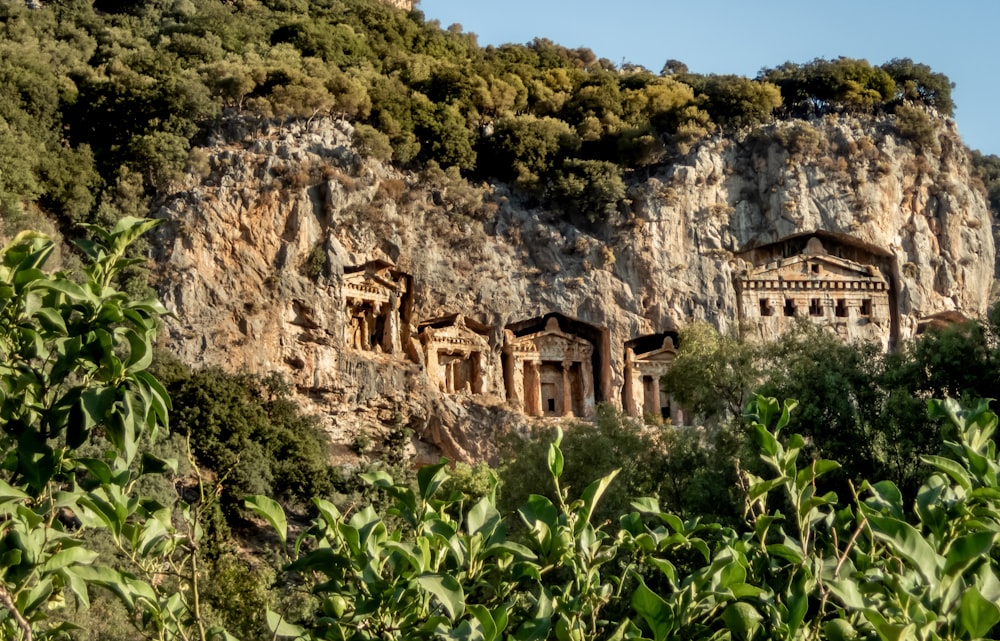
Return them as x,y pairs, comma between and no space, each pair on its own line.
537,628
378,478
888,631
279,627
430,478
483,518
653,610
97,468
9,493
539,509
954,470
968,549
69,556
270,510
646,505
591,496
151,464
977,615
486,622
51,320
448,591
839,630
904,540
765,440
555,460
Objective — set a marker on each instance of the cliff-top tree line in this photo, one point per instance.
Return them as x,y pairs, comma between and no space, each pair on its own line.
102,102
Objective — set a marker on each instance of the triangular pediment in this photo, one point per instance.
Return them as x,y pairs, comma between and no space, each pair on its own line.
457,334
815,267
658,356
377,281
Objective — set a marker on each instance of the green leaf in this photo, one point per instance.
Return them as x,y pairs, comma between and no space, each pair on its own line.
591,496
9,493
140,353
555,460
448,591
430,478
954,470
968,549
905,541
978,615
889,631
151,464
839,630
51,320
483,518
70,556
537,628
653,610
378,478
270,510
279,627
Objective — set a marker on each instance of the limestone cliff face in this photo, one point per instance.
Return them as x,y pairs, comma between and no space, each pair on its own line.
255,258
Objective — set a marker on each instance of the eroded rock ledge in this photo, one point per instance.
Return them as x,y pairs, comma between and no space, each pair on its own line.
396,299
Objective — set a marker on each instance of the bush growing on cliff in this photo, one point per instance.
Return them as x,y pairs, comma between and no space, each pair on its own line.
915,124
248,431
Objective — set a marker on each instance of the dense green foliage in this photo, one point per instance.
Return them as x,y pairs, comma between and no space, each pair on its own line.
78,413
857,404
249,432
101,103
988,168
694,472
821,567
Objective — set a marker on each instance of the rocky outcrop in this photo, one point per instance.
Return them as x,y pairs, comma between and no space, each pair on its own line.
257,253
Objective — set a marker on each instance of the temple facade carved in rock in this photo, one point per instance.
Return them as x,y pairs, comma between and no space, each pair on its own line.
647,359
846,291
559,366
549,372
377,307
457,355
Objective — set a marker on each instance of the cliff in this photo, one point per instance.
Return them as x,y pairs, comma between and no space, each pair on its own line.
400,300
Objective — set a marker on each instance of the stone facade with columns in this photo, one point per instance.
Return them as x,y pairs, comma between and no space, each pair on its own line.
549,373
457,356
849,297
642,394
376,299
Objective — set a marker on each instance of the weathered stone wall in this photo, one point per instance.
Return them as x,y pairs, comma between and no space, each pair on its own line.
253,260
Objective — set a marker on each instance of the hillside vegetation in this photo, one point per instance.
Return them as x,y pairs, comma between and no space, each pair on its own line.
140,498
101,103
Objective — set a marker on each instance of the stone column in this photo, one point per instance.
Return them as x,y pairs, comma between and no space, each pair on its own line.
532,389
567,389
431,363
587,383
515,391
657,407
449,377
365,335
391,343
628,393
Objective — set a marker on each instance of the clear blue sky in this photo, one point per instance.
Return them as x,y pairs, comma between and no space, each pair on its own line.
960,38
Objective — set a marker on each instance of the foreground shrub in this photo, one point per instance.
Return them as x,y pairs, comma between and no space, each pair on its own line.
803,565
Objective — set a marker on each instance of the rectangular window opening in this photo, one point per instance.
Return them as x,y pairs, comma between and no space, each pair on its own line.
815,308
841,310
765,307
866,307
789,307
